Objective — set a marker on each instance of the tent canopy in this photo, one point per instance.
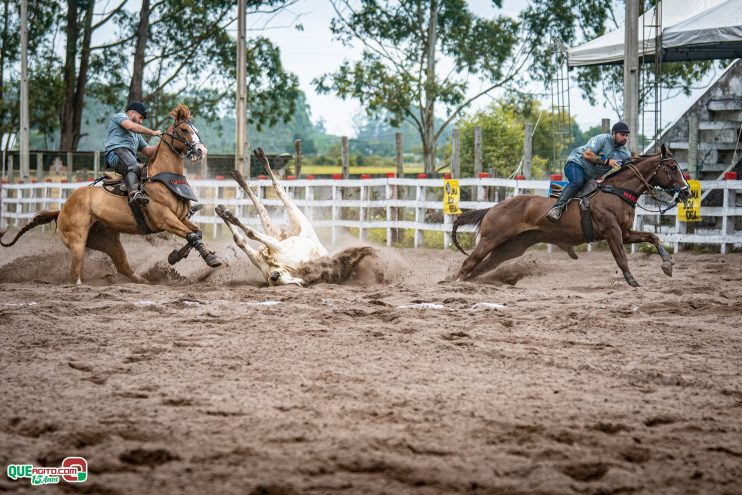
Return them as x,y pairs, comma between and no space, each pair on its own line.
691,30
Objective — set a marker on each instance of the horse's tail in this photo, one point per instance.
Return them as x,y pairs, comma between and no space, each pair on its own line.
472,217
41,218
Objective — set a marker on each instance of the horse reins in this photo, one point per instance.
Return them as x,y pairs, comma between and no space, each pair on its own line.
650,188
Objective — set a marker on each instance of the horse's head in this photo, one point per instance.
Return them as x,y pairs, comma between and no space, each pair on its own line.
184,138
668,175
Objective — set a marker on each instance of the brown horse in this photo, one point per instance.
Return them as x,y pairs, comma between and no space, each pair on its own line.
509,228
94,218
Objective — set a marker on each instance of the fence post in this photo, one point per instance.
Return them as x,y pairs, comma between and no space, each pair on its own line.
362,210
528,151
69,167
96,163
446,233
345,157
297,158
456,153
391,213
309,196
727,227
334,214
397,233
419,214
10,168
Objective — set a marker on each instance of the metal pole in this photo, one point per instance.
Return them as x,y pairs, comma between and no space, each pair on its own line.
25,158
241,161
631,72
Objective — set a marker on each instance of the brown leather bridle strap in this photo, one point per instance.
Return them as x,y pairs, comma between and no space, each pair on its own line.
650,189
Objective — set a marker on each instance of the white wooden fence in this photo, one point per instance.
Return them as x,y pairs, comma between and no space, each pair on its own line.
364,204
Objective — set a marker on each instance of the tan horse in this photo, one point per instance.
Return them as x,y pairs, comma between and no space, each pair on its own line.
94,218
509,228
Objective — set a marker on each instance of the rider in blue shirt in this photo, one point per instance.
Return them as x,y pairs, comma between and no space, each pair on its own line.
601,154
123,140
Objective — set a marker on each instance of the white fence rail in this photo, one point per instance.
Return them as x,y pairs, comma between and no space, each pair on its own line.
364,204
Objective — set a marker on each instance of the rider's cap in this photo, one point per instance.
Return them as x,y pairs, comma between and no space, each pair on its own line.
137,106
620,127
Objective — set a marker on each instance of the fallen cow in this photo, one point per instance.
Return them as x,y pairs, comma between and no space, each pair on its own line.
286,254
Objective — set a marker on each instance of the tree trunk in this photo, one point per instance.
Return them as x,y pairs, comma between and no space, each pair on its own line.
136,92
66,116
75,82
428,113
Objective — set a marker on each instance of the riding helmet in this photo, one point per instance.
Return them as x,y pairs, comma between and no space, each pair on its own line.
137,106
620,127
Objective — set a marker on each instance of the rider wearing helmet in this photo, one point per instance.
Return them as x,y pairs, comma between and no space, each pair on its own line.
122,143
601,154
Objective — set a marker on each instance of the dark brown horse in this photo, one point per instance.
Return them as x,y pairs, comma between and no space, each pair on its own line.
509,228
94,218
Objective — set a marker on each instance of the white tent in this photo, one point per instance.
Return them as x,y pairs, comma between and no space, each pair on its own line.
691,30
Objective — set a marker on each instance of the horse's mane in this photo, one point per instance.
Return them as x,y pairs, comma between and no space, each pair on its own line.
181,112
632,161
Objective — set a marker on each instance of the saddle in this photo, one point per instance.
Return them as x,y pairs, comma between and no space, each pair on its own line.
588,190
113,183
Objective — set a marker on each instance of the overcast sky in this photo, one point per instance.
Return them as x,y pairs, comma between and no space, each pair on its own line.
312,52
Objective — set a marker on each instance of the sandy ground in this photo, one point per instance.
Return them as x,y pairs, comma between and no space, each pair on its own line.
568,381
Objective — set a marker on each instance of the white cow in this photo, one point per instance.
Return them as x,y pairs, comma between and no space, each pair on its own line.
283,250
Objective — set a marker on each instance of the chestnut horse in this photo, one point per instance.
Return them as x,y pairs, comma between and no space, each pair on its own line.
94,218
509,228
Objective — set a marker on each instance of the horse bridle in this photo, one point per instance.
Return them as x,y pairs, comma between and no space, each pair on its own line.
175,135
675,189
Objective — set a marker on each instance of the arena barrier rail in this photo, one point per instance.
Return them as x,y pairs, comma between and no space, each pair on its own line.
390,204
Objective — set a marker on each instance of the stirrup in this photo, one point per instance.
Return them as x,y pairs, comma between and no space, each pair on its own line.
555,214
139,197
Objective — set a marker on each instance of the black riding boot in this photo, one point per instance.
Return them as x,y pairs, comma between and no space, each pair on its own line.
567,193
131,179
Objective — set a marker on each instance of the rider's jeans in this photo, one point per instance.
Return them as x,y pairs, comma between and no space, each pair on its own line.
576,177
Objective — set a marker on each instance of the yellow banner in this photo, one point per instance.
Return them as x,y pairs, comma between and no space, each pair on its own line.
691,213
451,196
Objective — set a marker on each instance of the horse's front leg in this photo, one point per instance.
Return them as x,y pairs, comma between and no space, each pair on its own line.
167,220
634,236
615,242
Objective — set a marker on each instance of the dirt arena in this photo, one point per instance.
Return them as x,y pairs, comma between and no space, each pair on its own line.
551,376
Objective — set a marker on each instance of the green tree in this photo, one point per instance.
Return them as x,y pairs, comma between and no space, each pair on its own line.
502,140
399,77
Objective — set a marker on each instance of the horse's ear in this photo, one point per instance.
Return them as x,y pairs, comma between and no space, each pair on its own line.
663,150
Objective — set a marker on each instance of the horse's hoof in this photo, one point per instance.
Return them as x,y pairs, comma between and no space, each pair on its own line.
667,268
213,261
630,279
174,257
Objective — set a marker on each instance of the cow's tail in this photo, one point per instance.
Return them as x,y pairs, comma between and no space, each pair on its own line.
472,217
41,218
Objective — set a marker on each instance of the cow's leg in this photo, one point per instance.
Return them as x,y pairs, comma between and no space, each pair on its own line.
229,218
251,253
614,237
633,237
265,219
106,240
